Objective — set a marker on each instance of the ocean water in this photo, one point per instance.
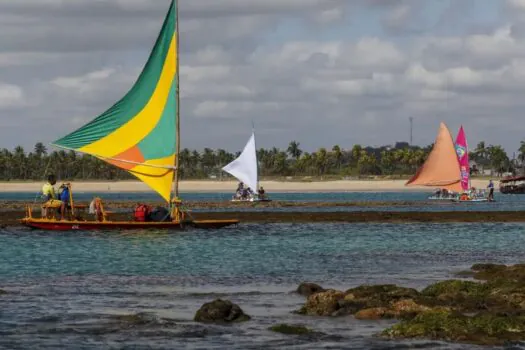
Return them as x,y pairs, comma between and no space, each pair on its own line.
416,201
70,290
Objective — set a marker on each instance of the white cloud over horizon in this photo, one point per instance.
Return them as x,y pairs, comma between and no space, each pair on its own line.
322,72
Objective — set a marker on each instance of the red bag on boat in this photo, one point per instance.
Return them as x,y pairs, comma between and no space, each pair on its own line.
141,212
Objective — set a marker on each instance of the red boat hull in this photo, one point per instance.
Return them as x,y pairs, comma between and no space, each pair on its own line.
54,225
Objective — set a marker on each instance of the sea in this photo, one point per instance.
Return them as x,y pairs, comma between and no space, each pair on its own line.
140,290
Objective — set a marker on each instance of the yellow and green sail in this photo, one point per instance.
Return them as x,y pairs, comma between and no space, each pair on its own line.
138,133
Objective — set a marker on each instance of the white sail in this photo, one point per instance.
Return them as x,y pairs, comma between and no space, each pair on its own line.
244,168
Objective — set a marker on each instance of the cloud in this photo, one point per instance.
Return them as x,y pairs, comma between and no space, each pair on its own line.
10,96
319,71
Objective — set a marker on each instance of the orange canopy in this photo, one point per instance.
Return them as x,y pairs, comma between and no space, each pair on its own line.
441,169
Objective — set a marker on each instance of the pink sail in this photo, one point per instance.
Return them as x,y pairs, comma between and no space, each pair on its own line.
462,152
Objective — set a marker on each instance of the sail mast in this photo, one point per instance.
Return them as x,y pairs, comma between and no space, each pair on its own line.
177,110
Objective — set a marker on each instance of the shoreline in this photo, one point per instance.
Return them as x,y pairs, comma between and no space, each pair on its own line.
206,186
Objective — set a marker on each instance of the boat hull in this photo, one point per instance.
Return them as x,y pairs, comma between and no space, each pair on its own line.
54,225
251,200
443,199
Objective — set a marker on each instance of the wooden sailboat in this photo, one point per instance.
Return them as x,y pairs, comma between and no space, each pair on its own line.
244,168
140,134
441,168
469,193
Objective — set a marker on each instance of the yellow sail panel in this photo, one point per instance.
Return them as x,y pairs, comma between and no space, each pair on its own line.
138,133
159,179
441,169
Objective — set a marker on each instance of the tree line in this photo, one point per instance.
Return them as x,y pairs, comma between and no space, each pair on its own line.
398,160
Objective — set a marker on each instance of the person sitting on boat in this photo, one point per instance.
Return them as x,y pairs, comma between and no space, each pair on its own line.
261,193
239,192
96,209
249,193
49,195
491,190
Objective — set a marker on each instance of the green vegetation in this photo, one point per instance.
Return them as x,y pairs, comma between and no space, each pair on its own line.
401,160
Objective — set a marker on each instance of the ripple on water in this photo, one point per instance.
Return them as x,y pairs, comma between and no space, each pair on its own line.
95,291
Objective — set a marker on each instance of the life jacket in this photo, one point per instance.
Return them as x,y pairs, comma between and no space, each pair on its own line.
141,212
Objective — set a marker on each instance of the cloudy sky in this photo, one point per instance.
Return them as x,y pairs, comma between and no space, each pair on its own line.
322,72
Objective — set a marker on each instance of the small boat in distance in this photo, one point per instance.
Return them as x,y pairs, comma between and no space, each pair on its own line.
512,185
140,134
442,170
244,168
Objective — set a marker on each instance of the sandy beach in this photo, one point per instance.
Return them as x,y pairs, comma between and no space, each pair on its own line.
229,186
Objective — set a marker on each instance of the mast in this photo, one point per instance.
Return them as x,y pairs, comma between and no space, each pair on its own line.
256,159
177,110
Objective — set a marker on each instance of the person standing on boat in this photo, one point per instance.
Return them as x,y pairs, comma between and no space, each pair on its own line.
49,195
491,190
63,196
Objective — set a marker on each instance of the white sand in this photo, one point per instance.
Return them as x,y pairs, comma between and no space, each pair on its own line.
230,186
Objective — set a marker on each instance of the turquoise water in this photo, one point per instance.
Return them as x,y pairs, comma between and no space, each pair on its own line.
66,289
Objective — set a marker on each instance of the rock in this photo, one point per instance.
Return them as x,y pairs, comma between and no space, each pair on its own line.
407,308
375,313
402,309
290,329
370,297
219,311
483,329
2,292
323,303
381,295
466,295
306,289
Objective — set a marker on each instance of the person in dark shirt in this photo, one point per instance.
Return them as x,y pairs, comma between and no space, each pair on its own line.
63,196
261,193
491,190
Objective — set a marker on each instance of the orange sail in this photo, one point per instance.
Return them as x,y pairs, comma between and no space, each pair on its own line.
441,169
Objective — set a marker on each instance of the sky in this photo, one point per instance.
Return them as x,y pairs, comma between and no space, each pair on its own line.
322,72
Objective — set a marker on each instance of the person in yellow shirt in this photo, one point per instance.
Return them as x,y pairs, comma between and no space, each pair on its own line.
49,195
48,190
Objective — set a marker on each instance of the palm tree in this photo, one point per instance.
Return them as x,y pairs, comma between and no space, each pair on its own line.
521,155
294,150
338,155
321,161
499,161
356,153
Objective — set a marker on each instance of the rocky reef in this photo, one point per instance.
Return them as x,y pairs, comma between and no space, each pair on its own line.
489,309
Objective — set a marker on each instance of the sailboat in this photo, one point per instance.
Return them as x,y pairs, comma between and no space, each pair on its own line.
140,134
244,168
469,193
441,168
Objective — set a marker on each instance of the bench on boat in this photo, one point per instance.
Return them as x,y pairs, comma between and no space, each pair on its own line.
55,204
